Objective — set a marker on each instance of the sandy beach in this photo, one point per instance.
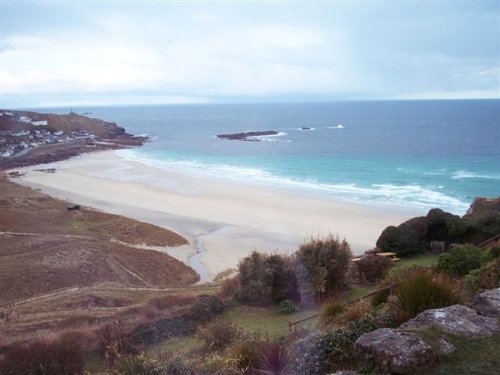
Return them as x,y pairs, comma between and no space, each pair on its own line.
223,220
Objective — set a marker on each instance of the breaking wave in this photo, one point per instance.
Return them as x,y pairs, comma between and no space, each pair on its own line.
411,196
461,174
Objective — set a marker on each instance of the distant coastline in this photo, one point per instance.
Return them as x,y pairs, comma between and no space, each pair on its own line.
30,138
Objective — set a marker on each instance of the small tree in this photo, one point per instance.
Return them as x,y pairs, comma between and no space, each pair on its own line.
326,262
401,240
266,279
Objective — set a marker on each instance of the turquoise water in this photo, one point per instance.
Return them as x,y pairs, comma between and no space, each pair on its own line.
416,154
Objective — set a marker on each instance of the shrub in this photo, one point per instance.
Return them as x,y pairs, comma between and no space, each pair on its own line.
486,277
401,240
266,279
321,353
177,364
219,334
460,260
321,267
421,290
230,287
245,354
206,308
61,355
330,312
372,268
287,307
166,302
155,332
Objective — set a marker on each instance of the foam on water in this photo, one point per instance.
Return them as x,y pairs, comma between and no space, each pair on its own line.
461,174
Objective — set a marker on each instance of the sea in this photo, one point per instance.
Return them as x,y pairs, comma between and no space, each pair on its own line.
412,154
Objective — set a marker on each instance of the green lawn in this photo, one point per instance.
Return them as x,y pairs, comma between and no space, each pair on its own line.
268,320
426,260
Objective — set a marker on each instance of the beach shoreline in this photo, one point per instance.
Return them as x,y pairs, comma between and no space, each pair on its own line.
223,220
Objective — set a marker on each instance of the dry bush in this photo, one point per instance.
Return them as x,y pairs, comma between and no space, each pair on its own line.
321,266
55,355
330,313
167,302
355,311
372,268
111,340
230,287
205,309
219,334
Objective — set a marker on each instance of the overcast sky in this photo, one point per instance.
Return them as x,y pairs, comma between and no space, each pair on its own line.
57,53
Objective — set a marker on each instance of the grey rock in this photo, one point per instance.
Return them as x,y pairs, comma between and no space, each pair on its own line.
457,320
394,351
345,372
445,347
487,303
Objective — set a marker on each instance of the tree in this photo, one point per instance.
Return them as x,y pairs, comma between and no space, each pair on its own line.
401,240
322,264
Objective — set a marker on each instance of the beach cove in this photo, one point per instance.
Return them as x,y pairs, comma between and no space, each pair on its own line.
224,220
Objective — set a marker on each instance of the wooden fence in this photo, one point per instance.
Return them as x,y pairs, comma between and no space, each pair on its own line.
389,288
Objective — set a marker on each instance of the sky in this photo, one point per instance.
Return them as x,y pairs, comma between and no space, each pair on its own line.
71,53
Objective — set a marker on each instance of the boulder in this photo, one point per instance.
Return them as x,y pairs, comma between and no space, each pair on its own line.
487,303
457,320
394,351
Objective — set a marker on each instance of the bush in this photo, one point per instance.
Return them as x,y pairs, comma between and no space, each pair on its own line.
330,312
372,268
61,355
177,364
160,330
287,307
421,290
321,266
460,260
230,287
321,353
486,277
219,334
266,279
167,302
206,308
401,240
245,354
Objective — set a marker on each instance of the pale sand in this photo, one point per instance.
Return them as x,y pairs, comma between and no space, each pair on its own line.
224,221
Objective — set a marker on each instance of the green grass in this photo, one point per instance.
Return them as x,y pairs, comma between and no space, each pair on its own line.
358,291
268,320
178,343
470,357
426,260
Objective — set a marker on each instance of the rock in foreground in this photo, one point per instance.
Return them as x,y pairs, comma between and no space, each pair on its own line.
456,320
488,303
394,351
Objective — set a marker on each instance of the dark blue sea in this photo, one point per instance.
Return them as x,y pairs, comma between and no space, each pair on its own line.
416,154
